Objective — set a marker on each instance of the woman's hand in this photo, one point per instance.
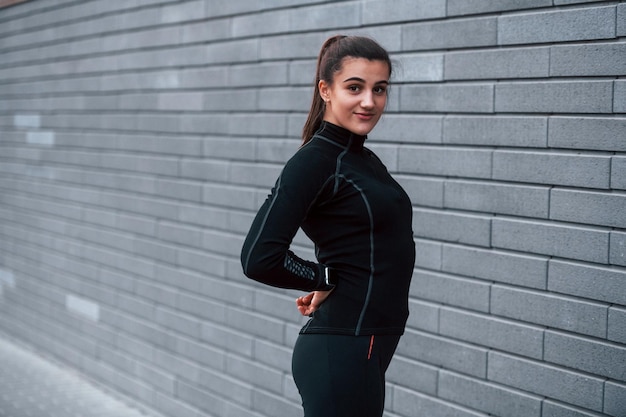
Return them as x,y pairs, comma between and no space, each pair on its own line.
309,303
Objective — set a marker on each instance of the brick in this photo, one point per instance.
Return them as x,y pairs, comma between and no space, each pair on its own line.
452,227
565,2
419,67
27,120
621,20
571,169
291,46
192,32
210,170
328,16
263,23
228,100
487,397
88,309
555,409
284,99
137,307
173,406
200,307
496,266
200,261
592,208
192,78
546,380
497,198
258,124
410,373
603,134
463,7
409,402
424,316
619,98
40,138
387,153
550,310
203,216
439,351
277,150
593,282
551,239
454,33
151,165
467,98
498,64
618,173
614,398
617,324
428,254
202,399
181,190
262,74
254,373
442,161
409,129
588,355
229,389
423,191
252,324
554,97
274,355
557,26
263,175
617,254
182,12
230,52
491,332
588,60
376,12
451,290
227,338
274,405
209,124
180,101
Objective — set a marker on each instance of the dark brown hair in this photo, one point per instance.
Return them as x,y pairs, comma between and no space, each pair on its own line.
329,61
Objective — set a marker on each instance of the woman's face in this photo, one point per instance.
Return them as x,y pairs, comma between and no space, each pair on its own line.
357,96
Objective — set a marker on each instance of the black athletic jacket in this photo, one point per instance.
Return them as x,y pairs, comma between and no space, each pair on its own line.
360,220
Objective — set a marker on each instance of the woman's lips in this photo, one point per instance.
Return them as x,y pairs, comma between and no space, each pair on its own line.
365,116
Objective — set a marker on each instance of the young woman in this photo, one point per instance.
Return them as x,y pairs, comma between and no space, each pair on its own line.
359,218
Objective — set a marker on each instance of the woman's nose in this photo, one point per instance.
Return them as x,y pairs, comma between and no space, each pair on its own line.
367,100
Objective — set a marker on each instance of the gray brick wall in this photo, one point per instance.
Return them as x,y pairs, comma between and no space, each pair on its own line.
137,139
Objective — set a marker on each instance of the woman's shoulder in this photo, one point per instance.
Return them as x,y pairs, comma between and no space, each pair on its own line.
318,151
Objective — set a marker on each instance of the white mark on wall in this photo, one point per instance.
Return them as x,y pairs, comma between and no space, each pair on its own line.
83,307
7,279
27,120
40,138
31,124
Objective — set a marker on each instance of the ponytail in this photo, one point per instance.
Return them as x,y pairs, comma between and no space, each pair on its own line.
316,113
329,61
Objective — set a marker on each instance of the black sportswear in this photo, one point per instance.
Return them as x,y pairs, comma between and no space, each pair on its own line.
360,220
342,375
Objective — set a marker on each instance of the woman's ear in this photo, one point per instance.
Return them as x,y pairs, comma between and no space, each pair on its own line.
324,90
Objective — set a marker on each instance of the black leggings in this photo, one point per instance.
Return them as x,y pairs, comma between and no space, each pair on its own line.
342,376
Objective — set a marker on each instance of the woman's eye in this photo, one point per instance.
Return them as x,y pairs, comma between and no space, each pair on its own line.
354,88
380,90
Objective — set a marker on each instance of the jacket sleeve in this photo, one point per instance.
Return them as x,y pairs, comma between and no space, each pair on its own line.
265,255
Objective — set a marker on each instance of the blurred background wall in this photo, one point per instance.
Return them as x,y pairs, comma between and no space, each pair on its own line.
138,137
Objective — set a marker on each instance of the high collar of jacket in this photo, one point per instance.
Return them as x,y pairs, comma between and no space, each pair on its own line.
342,136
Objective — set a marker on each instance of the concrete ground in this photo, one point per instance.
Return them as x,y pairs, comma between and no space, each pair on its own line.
34,386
